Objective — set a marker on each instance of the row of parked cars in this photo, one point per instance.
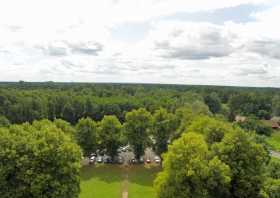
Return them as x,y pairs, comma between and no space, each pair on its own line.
120,160
125,155
105,159
156,159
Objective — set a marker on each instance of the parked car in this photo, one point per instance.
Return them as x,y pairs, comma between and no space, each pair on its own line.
92,159
93,155
157,159
99,159
107,160
120,160
133,161
148,161
141,160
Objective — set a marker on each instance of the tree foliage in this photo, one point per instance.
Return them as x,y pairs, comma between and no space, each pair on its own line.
240,163
253,124
4,122
214,103
38,161
163,127
213,130
190,171
138,130
87,135
247,161
110,133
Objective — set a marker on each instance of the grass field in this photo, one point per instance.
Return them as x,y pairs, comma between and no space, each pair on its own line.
109,181
274,141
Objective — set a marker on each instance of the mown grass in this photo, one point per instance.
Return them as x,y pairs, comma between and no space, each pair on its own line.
101,181
274,141
106,181
141,181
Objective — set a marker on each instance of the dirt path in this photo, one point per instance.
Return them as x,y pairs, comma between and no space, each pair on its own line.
125,183
125,187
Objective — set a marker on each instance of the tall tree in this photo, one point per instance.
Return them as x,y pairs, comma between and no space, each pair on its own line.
190,171
65,126
4,122
163,127
138,130
213,130
38,161
214,103
247,161
87,135
110,134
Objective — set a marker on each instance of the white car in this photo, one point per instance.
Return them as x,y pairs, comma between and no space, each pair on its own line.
157,159
92,159
99,159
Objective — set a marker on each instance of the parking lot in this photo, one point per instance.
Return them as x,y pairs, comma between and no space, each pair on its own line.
125,157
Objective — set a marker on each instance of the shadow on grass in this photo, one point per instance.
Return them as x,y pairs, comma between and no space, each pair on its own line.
138,174
143,175
106,173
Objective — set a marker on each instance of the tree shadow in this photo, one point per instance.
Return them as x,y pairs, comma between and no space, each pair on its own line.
107,173
138,174
143,175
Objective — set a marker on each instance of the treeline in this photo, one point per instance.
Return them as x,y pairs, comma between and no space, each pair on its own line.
19,104
203,155
25,102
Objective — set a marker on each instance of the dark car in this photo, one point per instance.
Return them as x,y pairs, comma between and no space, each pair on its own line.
133,161
108,160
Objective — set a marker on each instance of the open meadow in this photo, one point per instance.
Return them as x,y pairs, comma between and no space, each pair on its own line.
114,181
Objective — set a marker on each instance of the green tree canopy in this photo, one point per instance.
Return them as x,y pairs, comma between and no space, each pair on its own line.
214,103
212,129
190,171
253,124
247,161
163,127
272,183
208,139
138,130
87,135
38,162
4,122
65,126
110,130
185,115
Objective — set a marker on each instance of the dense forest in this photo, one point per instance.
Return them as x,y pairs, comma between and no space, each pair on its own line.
46,129
26,102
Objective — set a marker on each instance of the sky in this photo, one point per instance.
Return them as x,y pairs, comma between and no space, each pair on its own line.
213,42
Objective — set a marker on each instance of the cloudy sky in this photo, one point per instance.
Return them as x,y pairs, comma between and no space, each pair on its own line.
217,42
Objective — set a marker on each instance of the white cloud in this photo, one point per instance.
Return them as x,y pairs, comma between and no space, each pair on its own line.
192,41
69,40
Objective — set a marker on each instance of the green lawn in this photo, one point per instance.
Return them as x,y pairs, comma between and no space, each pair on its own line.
101,181
141,181
274,141
108,181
